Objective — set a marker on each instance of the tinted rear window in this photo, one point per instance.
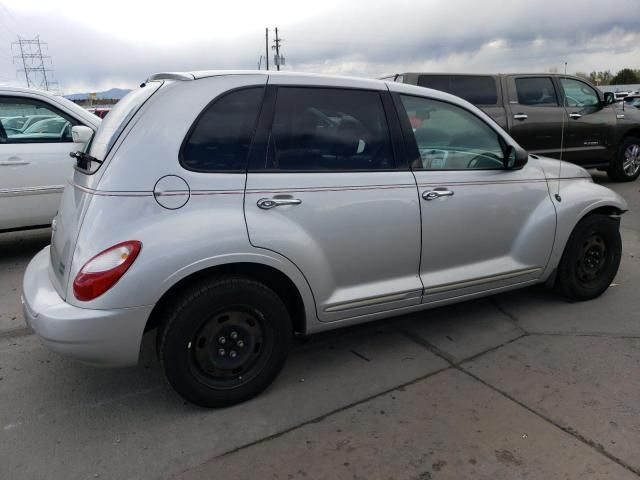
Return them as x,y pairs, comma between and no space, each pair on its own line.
536,91
477,89
221,137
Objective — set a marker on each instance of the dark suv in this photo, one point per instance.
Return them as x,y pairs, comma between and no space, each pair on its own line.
555,115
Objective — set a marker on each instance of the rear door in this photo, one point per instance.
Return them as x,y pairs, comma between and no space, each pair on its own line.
483,227
536,117
590,125
34,160
326,189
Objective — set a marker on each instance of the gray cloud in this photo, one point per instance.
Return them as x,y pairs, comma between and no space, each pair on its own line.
367,38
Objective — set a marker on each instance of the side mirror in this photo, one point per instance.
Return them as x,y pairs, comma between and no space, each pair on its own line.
81,134
609,98
515,157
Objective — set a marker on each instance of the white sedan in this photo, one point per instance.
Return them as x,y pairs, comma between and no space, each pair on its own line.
35,141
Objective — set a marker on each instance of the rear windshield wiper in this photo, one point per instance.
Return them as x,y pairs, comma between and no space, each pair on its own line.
83,160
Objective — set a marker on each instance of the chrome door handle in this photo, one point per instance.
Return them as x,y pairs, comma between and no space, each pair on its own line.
521,116
574,115
269,203
436,193
13,161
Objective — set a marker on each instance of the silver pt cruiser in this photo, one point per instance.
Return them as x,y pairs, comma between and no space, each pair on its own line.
232,210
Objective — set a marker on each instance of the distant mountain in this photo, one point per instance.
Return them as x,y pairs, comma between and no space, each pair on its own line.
116,93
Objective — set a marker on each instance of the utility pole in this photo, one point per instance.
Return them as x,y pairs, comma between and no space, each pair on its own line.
266,46
279,60
33,62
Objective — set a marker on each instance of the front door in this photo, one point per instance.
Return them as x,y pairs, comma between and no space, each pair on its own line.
483,227
590,125
325,190
35,141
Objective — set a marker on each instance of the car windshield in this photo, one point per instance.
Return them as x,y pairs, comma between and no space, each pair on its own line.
118,118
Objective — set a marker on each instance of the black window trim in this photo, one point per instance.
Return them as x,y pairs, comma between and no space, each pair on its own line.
68,117
410,138
195,123
258,154
559,97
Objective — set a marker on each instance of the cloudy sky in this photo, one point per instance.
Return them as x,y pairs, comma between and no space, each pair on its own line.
96,45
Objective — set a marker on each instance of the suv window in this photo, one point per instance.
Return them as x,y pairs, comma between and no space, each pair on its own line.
329,129
536,91
477,89
23,120
579,94
451,138
221,137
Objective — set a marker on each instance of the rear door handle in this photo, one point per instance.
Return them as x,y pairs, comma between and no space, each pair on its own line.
269,203
436,193
574,115
521,116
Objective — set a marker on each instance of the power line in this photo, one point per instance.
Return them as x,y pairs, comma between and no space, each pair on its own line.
29,54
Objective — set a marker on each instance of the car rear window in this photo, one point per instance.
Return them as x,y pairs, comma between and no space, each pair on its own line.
477,89
536,91
220,139
118,118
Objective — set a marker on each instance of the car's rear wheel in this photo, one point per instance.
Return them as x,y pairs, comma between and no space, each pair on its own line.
224,341
591,258
626,167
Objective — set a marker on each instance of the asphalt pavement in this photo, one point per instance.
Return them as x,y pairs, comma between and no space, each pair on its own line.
521,385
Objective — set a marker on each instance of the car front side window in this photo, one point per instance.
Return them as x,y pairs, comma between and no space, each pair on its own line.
578,94
449,137
25,120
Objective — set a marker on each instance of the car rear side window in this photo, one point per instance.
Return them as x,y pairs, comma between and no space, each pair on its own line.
476,89
536,91
329,129
220,139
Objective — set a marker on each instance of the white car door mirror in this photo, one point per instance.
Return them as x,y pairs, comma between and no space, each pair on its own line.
81,134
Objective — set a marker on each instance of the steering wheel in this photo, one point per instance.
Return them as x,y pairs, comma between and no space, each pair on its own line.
485,160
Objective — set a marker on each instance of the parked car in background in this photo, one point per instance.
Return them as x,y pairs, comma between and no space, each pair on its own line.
35,141
232,210
632,101
99,111
534,109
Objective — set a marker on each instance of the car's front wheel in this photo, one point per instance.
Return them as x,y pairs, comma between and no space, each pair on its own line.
626,166
591,258
224,341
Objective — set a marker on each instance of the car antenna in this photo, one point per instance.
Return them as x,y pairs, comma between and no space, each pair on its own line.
564,113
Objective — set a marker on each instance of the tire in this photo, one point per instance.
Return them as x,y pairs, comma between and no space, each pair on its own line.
209,322
591,258
626,166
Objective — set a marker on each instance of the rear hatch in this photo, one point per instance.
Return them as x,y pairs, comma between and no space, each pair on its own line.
78,193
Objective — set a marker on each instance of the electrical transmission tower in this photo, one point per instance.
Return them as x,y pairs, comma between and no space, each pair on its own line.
30,56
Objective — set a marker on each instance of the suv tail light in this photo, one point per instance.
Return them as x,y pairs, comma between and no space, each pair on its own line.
103,271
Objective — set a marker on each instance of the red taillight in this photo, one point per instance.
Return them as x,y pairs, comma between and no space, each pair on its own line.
102,272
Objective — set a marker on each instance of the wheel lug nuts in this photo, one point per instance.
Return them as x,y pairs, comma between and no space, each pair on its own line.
222,352
233,335
240,343
232,354
222,340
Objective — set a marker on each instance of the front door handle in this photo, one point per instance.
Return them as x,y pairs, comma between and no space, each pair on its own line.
269,203
436,193
575,116
11,161
521,116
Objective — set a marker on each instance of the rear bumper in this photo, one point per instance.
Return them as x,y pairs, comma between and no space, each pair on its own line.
106,338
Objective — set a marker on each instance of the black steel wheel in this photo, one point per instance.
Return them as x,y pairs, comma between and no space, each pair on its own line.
591,258
224,341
